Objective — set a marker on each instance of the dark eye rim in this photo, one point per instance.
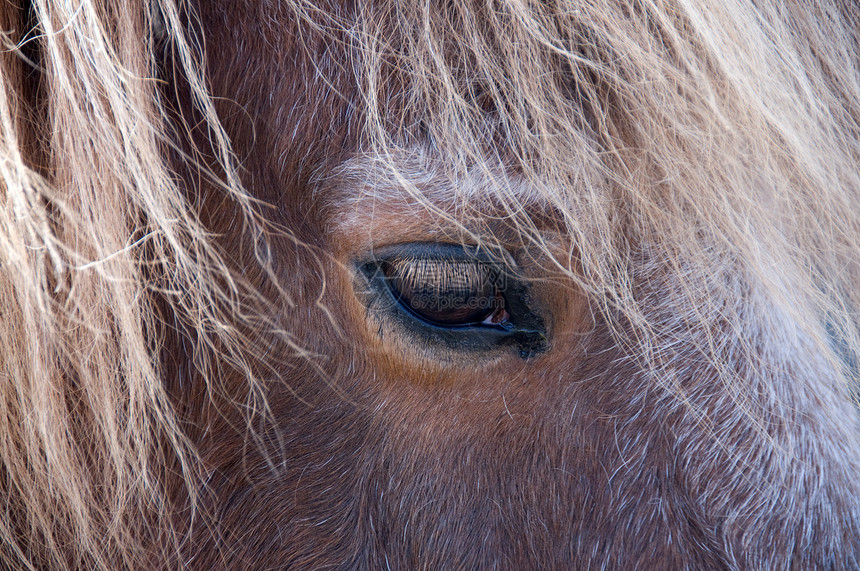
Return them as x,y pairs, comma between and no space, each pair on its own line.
525,329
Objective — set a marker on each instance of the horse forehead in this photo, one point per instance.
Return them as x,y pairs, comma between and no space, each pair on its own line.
285,93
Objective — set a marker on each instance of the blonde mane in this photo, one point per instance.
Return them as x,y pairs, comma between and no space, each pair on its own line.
717,145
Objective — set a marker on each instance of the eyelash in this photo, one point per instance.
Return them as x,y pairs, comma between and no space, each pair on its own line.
449,293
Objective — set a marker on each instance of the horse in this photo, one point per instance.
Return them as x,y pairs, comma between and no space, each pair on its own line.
508,284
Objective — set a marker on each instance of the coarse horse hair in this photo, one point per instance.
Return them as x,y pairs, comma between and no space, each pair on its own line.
196,372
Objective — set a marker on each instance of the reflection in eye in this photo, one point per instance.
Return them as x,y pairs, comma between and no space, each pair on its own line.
448,292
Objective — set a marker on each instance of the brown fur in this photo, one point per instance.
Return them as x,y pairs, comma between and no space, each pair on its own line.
191,379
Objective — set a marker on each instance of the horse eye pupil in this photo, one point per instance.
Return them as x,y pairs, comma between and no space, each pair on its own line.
445,292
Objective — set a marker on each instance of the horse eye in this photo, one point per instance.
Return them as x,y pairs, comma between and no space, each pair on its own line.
451,297
448,293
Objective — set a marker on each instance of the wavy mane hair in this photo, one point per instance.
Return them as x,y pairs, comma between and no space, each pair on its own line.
696,170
